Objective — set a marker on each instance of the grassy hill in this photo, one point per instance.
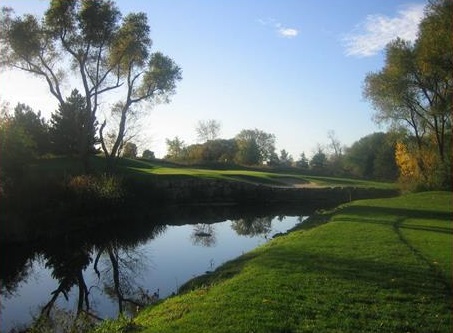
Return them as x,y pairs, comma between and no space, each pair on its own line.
379,265
158,169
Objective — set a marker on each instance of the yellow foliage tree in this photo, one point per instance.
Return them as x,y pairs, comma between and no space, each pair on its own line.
418,167
406,162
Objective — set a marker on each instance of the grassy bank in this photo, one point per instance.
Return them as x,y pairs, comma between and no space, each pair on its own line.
376,266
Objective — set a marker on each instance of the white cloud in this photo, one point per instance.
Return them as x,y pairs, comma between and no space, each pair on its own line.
372,35
281,30
288,32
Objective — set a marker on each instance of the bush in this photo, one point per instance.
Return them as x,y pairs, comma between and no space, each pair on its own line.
17,149
99,188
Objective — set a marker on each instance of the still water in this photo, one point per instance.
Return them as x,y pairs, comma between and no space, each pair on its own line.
135,263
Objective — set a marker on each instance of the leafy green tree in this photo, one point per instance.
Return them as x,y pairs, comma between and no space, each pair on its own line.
262,142
175,149
384,164
89,42
70,132
193,153
148,154
219,150
414,88
34,125
285,158
373,157
248,152
273,160
130,150
17,149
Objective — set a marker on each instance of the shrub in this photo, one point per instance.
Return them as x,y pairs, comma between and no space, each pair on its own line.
93,190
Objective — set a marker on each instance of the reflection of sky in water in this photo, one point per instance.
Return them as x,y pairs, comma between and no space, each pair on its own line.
169,260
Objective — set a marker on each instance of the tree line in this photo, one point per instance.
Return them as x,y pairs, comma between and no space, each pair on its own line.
371,157
25,136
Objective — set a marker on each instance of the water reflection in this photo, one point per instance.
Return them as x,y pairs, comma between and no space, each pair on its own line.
109,260
252,226
122,266
203,235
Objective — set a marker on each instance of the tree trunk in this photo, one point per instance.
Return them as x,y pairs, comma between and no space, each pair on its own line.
116,279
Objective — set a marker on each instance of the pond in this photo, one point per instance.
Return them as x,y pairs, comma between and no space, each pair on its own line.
125,264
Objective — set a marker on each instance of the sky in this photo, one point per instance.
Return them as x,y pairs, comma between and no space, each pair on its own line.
293,68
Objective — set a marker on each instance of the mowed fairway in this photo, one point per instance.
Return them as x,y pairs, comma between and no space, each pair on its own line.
375,266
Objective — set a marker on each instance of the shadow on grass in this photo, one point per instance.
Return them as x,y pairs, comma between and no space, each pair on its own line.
407,278
374,212
375,220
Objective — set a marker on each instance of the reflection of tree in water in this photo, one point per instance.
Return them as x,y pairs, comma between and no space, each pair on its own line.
15,267
69,259
204,235
67,264
302,218
252,226
121,267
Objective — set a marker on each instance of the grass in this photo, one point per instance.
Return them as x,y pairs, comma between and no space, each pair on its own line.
376,266
256,176
160,170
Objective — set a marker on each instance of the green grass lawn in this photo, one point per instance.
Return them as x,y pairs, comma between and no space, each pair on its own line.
376,266
257,176
159,170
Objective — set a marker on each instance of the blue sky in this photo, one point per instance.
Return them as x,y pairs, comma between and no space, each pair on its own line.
291,68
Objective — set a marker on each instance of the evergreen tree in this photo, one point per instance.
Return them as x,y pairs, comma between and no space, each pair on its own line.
70,130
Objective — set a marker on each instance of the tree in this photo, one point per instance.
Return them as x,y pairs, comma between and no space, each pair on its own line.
70,132
107,55
414,89
208,130
17,149
175,148
248,152
219,150
34,125
319,160
130,150
256,139
335,144
148,154
194,153
335,157
302,162
285,158
373,157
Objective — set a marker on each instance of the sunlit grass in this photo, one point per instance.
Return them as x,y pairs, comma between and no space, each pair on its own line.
255,176
157,169
232,175
376,266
